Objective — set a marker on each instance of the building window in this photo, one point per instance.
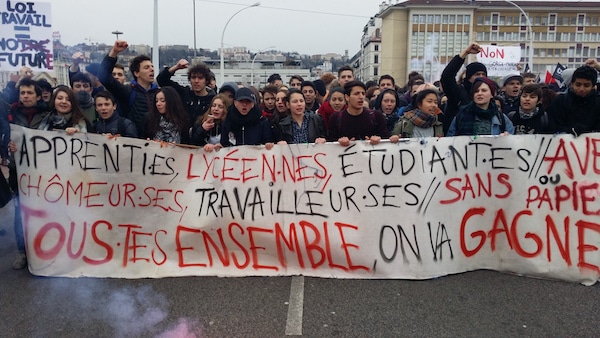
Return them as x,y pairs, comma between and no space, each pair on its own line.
437,19
486,21
415,18
467,18
595,21
459,19
509,20
429,19
445,19
580,19
494,18
552,19
452,19
375,71
376,48
376,59
551,37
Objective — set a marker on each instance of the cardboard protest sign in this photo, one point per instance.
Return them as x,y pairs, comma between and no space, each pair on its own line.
499,60
26,35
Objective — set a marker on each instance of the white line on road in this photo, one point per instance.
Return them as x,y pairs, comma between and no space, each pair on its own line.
293,326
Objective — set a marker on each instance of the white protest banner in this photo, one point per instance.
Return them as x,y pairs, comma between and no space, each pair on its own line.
96,206
499,60
26,35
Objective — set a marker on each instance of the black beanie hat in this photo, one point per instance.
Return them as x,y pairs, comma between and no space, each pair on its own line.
475,67
320,87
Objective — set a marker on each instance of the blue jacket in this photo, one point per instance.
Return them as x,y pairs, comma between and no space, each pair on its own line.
134,100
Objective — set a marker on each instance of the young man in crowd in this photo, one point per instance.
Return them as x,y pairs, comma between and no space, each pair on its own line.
136,99
109,121
577,111
268,105
511,85
118,73
296,81
345,75
196,97
387,81
28,112
83,88
275,79
357,122
310,95
529,78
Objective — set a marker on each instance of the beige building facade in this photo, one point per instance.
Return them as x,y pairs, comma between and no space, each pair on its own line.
423,35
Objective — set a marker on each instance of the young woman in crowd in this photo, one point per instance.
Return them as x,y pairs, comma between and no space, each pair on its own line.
301,125
207,129
372,95
335,102
388,102
530,116
422,121
482,116
281,109
65,113
168,121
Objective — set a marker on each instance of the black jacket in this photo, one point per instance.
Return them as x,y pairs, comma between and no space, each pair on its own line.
116,125
134,100
458,95
249,129
195,105
575,114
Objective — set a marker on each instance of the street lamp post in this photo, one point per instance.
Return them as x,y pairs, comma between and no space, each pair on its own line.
194,9
530,56
223,36
252,64
155,60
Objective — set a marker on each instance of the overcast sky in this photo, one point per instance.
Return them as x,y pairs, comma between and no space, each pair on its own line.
305,26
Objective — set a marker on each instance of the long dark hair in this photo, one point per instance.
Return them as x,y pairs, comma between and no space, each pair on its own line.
77,113
176,113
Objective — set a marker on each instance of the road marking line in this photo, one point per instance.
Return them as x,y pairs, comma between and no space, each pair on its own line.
293,326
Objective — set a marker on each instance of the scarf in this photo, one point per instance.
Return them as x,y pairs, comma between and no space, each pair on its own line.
238,120
466,120
85,99
526,116
29,112
420,118
56,121
167,131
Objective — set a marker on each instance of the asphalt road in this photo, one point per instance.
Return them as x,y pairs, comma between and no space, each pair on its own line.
473,304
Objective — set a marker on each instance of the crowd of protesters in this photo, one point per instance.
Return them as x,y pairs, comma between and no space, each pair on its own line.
335,109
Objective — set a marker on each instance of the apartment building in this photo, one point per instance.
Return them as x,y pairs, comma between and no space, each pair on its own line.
423,35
